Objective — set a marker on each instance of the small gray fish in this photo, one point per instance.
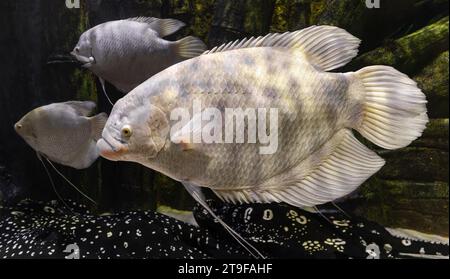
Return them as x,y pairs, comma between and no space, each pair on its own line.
64,132
128,52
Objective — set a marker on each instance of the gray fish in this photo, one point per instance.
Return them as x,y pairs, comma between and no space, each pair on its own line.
64,132
318,159
128,52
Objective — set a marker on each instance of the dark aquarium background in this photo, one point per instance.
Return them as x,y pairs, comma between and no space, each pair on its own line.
411,191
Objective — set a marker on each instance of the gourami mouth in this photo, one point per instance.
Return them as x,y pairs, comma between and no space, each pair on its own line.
17,127
85,61
109,151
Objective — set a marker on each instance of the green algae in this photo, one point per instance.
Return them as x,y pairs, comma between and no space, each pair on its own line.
411,52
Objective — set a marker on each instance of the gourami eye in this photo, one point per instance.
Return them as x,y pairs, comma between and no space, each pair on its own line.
77,49
126,131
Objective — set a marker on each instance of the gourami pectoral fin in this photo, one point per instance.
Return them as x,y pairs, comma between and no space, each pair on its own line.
85,108
189,136
164,27
332,172
325,47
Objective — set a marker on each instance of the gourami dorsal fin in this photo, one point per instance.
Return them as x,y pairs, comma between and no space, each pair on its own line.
326,47
164,27
83,108
332,172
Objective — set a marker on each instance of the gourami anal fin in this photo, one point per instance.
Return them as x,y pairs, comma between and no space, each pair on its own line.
333,171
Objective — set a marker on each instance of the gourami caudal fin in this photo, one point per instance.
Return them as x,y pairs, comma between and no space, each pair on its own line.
394,108
189,47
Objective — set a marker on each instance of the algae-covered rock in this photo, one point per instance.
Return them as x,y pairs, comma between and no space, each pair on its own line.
436,128
433,80
415,164
421,206
391,20
435,135
408,54
228,21
346,14
294,15
258,16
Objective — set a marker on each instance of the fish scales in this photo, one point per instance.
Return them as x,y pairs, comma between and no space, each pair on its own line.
117,55
128,52
307,106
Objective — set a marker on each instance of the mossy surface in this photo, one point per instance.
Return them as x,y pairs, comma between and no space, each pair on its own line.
406,204
409,53
433,80
417,164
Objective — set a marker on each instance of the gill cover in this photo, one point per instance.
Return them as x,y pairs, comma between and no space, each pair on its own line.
140,132
83,51
159,126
